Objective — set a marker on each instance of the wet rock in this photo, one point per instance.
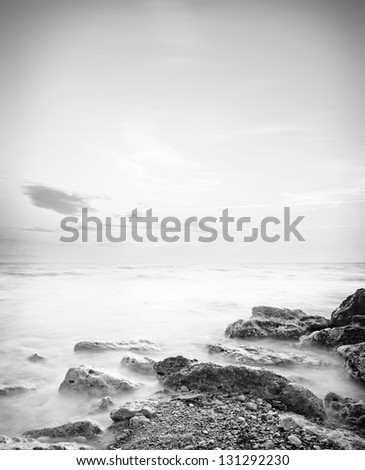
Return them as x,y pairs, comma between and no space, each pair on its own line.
104,405
354,356
334,337
179,371
129,410
260,356
86,380
9,390
141,345
352,306
36,358
142,365
67,431
345,409
280,323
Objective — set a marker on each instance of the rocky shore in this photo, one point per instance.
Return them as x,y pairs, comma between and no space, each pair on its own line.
241,404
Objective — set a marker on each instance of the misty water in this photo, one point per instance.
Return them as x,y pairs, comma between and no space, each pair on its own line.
46,309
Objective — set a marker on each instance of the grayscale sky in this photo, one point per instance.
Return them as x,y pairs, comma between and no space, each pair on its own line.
188,107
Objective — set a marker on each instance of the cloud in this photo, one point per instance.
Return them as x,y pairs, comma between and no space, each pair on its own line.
55,199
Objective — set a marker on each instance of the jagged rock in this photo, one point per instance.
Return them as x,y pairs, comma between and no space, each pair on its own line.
23,443
260,356
349,410
129,410
354,356
352,306
179,371
85,379
143,365
8,390
104,405
67,431
141,345
334,337
280,323
36,358
342,439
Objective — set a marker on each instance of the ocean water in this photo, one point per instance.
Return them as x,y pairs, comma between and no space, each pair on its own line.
46,309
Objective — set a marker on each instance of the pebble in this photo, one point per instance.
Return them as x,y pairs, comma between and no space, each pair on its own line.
184,388
251,406
241,419
241,398
294,440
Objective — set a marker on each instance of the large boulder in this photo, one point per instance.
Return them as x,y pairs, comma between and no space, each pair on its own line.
334,337
86,380
9,390
143,365
354,356
176,372
280,323
352,310
97,346
254,355
349,410
67,431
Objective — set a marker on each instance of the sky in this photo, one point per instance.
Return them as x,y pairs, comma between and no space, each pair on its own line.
187,107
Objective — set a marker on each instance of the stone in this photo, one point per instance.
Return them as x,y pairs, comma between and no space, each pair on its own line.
104,405
251,406
294,440
352,306
129,410
87,380
138,422
179,371
9,390
332,338
69,430
184,389
346,409
97,346
143,365
354,356
280,323
36,358
255,355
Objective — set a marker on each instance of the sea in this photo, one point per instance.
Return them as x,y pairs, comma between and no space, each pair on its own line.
46,308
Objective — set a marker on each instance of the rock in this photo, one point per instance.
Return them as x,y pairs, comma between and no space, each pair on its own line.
86,380
9,390
334,337
17,443
354,356
104,405
342,439
251,406
352,306
69,430
36,358
141,345
260,356
138,422
269,444
345,409
143,365
280,323
179,371
294,440
129,410
184,389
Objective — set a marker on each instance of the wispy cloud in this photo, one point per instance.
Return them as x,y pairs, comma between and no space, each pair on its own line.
55,199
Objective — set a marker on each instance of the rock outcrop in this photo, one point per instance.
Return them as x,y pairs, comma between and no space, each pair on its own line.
9,390
351,310
332,338
25,443
280,323
177,372
67,431
250,354
36,358
346,409
354,356
97,346
86,380
143,365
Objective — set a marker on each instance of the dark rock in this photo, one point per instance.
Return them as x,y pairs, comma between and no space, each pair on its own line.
242,379
259,356
85,379
280,323
334,337
9,390
141,345
354,356
69,430
353,305
346,409
36,358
